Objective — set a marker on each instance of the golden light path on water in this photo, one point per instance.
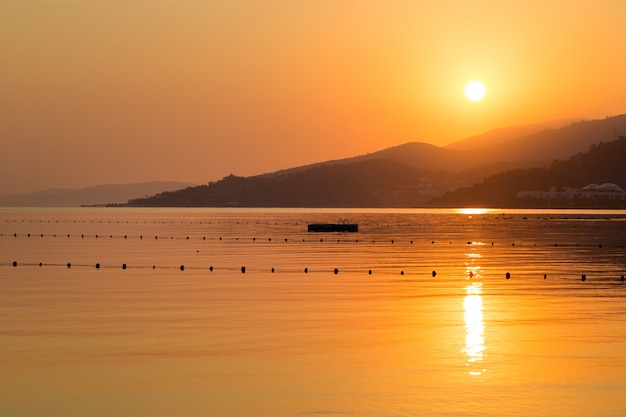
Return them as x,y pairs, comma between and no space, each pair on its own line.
473,315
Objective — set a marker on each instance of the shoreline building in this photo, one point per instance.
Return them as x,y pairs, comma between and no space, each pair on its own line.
606,191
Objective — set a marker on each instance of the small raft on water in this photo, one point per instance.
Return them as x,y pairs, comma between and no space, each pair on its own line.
342,226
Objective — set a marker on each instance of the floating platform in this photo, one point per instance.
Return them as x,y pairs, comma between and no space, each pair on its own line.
333,227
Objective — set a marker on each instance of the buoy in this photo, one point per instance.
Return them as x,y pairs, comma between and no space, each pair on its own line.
14,263
97,266
182,267
211,268
434,274
306,270
545,276
69,265
40,264
243,269
123,266
272,270
622,278
336,271
508,275
369,272
401,272
584,278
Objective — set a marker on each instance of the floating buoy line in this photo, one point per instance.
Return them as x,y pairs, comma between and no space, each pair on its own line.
372,236
433,275
286,240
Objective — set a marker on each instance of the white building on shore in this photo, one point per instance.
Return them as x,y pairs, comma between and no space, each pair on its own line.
606,191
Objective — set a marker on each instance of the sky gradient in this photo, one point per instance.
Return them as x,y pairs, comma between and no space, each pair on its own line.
121,91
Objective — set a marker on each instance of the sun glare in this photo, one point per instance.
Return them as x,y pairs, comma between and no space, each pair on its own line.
475,90
472,211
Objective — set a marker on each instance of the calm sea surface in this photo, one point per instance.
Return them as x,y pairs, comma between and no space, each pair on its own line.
413,315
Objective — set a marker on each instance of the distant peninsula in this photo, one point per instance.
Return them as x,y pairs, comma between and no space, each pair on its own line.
97,195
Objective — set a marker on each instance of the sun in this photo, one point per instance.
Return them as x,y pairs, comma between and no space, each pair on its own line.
475,90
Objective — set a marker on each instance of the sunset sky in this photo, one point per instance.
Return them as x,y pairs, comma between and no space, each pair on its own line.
121,91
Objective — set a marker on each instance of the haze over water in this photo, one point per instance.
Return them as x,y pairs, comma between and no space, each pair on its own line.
418,320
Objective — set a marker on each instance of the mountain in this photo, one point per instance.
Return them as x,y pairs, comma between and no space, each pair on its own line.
496,136
370,183
603,163
560,143
504,134
495,149
95,195
407,175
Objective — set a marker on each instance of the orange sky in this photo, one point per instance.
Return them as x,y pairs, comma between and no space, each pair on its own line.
120,91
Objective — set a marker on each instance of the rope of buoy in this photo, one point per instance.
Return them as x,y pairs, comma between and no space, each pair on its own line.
244,269
409,241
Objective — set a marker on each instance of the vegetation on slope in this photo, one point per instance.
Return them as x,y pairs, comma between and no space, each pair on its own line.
602,163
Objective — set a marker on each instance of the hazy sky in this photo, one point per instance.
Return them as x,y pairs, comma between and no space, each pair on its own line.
120,91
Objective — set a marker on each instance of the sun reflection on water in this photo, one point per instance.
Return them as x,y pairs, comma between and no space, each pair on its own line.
473,316
474,328
471,211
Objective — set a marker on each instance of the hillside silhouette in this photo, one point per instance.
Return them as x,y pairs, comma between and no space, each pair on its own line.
514,146
373,183
414,174
603,163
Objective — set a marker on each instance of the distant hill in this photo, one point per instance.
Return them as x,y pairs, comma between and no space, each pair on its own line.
371,183
496,136
96,195
603,163
504,134
495,149
407,175
560,143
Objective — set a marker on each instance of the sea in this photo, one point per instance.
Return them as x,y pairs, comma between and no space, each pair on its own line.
244,312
